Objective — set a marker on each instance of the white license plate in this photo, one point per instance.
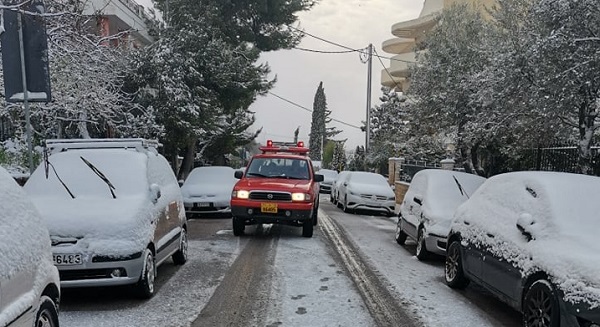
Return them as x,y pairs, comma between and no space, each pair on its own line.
203,204
67,259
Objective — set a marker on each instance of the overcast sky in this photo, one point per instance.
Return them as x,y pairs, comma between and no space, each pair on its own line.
352,23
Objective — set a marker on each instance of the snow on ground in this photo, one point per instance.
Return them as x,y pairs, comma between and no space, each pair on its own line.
178,302
312,289
418,285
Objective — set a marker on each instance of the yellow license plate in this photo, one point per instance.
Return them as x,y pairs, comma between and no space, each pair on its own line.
268,207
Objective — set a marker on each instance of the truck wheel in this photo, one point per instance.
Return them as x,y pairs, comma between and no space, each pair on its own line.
315,216
238,226
307,228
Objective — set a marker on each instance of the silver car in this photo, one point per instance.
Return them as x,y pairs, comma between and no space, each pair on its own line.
114,211
208,190
428,205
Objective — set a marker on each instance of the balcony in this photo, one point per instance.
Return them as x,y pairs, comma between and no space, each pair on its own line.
391,82
414,28
122,15
398,45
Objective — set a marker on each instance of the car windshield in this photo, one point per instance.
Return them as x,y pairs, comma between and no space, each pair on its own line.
210,175
279,168
368,178
126,171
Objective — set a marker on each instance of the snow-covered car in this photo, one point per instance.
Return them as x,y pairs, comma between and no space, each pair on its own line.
531,239
29,281
365,190
114,211
329,177
208,190
335,186
428,207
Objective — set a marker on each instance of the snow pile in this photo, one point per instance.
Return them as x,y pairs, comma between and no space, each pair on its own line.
559,210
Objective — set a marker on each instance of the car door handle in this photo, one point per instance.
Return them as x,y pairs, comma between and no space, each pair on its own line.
490,235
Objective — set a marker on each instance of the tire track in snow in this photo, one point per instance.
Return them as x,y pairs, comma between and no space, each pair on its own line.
381,304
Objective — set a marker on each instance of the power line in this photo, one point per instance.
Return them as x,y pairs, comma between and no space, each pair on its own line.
388,72
322,51
362,51
306,109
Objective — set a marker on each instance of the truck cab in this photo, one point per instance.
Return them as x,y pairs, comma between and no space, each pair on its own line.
279,186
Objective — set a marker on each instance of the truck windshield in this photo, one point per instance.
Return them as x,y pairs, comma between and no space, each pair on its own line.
279,168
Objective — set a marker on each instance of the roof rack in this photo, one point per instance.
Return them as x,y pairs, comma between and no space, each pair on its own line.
59,145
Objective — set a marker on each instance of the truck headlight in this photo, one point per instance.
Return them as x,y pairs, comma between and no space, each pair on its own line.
300,197
241,194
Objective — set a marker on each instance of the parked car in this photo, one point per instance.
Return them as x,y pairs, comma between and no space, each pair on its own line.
114,211
428,206
530,238
364,190
208,190
29,282
335,186
329,177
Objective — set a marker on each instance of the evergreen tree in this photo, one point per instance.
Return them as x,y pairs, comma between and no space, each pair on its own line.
202,75
339,156
357,163
317,126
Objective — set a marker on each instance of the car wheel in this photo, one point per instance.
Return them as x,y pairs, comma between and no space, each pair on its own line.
145,286
238,226
47,315
400,234
453,270
422,252
338,203
307,228
540,306
345,206
315,216
180,257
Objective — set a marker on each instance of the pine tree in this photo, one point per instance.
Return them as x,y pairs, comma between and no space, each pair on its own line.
317,126
339,156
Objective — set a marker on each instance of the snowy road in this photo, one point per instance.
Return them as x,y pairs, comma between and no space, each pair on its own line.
274,277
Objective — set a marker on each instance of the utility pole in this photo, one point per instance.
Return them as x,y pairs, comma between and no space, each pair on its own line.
368,123
25,94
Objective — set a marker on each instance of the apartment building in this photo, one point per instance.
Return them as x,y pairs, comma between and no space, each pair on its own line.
124,19
407,34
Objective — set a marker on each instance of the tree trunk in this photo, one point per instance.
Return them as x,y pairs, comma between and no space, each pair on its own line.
588,111
188,160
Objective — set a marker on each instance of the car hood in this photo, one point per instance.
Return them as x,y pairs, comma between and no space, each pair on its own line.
199,190
100,225
275,184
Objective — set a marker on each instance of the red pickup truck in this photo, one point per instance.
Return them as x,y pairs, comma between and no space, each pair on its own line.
279,186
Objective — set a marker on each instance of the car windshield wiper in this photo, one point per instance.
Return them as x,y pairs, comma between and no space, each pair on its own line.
48,164
257,174
460,188
101,175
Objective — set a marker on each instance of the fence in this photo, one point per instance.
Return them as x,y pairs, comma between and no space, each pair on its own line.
563,158
411,167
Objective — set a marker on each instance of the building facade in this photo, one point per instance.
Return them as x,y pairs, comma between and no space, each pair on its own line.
123,19
407,35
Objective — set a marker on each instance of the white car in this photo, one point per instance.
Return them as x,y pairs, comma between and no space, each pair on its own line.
428,206
370,191
335,187
208,190
29,282
114,211
329,177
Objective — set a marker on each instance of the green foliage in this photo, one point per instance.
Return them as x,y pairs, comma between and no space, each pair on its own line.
328,154
339,161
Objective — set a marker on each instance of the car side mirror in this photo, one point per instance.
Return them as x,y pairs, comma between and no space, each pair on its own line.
319,178
154,193
524,225
180,182
238,174
418,199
